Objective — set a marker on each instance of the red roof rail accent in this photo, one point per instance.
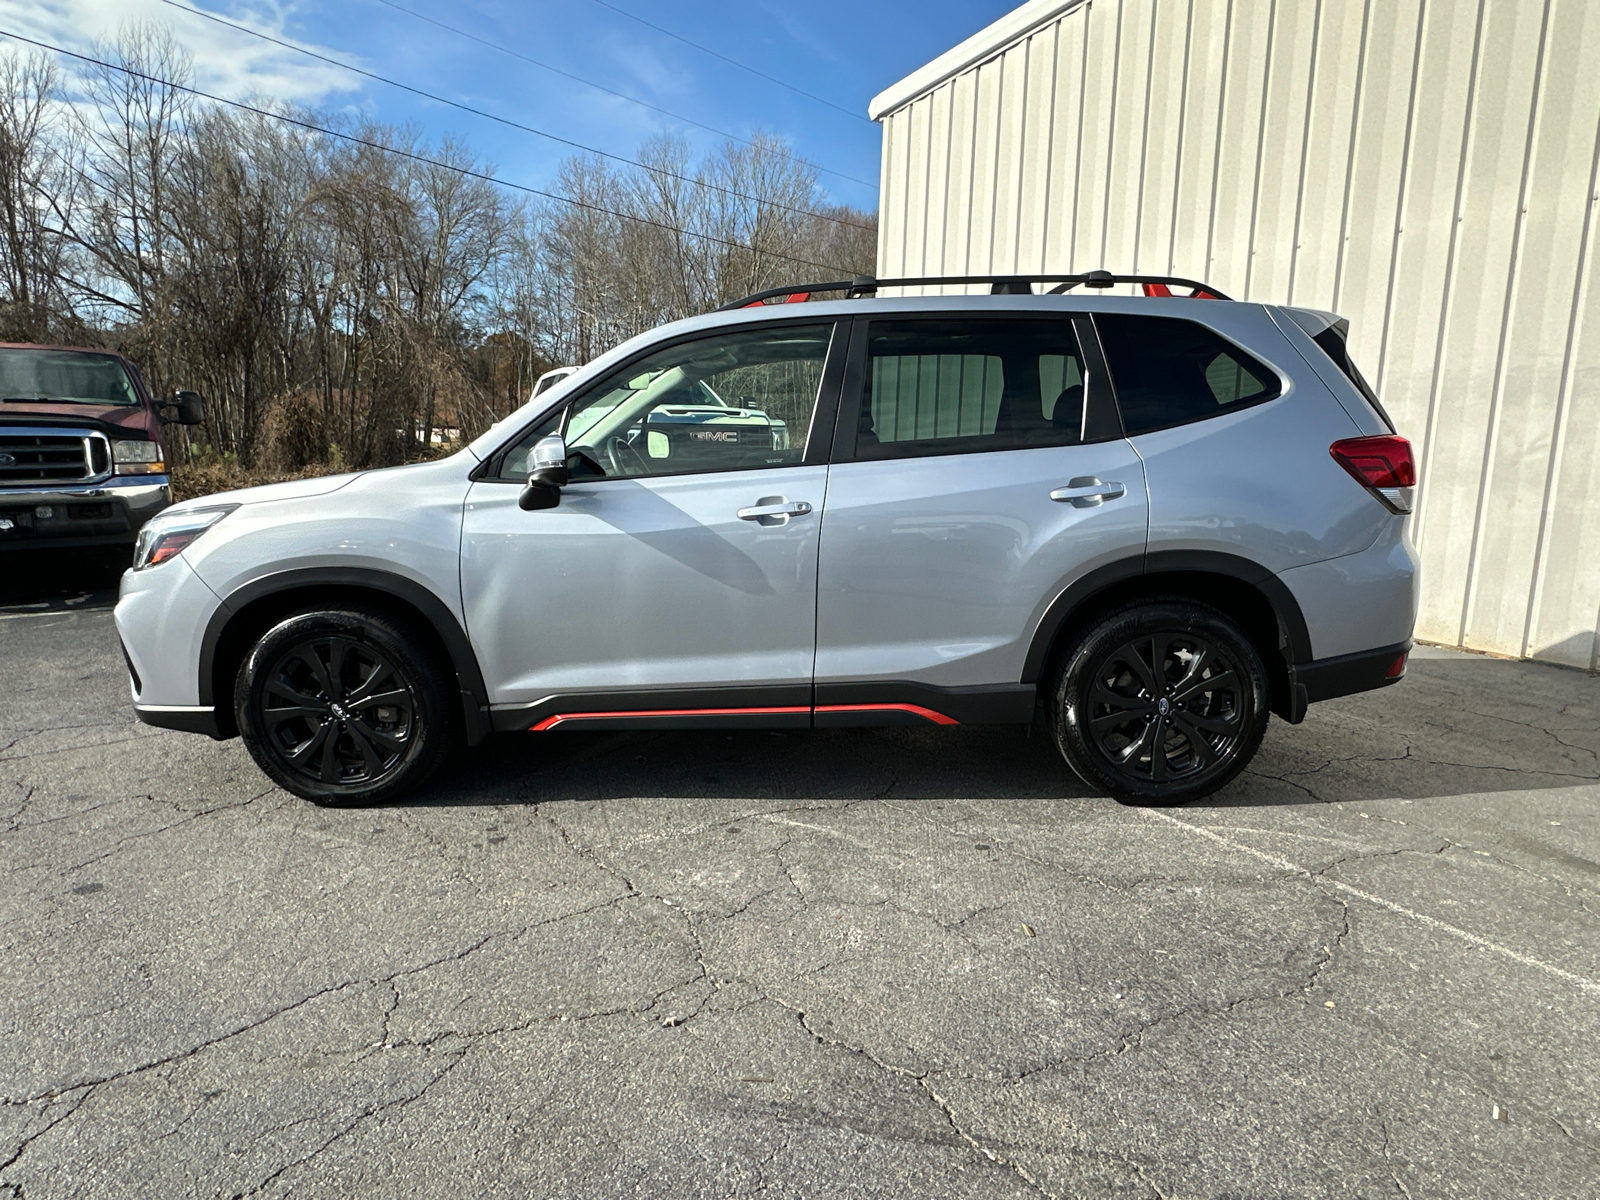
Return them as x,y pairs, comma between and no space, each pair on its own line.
1161,289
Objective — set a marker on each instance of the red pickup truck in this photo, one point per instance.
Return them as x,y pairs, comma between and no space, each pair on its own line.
81,455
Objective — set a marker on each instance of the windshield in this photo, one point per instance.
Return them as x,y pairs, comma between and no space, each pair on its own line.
64,377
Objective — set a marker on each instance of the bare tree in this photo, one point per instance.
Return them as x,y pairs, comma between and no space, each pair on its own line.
38,182
340,297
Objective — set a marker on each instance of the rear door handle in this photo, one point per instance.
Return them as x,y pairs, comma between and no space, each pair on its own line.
774,510
1086,491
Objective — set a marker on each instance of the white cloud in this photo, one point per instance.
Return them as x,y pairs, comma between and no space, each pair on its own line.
226,62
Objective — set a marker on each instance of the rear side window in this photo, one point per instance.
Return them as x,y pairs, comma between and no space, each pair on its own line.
1169,371
953,387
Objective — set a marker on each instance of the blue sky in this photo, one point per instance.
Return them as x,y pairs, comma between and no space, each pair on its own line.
841,51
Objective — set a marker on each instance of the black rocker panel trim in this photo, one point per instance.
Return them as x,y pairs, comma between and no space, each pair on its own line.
1348,674
474,694
1291,621
834,705
1011,704
677,708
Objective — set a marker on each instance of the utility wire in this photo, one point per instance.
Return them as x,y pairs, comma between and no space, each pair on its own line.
599,87
467,172
478,112
731,61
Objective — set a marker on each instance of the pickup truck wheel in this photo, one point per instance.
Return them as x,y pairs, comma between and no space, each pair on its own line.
345,706
1160,703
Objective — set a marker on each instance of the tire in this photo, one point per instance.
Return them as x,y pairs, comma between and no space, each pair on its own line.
1167,665
346,706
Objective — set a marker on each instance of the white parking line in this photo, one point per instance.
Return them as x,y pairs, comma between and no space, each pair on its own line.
1283,864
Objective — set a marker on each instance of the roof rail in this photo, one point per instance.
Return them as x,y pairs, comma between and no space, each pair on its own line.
999,285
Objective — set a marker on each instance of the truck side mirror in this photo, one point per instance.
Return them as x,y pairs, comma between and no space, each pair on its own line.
549,474
185,408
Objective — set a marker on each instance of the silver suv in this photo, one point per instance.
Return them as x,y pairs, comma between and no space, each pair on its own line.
1157,518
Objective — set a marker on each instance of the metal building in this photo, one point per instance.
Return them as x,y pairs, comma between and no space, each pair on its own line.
1425,167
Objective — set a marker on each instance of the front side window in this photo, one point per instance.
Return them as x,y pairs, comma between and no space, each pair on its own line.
967,386
730,402
1168,371
64,377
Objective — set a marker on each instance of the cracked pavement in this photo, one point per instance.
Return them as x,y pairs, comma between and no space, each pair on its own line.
852,962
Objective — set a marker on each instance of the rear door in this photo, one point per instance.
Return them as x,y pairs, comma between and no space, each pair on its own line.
979,469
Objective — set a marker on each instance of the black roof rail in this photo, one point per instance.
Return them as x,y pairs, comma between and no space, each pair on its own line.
999,285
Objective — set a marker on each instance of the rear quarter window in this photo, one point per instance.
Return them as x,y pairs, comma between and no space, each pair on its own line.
1168,371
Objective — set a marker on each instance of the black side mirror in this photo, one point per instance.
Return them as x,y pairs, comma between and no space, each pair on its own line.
185,408
549,475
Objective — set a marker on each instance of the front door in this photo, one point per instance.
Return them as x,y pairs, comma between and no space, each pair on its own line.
675,583
980,469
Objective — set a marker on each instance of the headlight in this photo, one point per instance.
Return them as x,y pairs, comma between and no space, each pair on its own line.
137,458
165,536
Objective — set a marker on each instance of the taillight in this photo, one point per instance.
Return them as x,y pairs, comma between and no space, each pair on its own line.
1382,464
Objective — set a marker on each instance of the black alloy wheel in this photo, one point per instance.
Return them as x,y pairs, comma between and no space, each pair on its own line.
344,707
337,711
1161,703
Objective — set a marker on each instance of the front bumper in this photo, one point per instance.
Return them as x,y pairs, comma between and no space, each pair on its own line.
188,718
108,513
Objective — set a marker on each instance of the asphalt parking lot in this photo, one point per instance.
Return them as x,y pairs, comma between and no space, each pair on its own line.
845,963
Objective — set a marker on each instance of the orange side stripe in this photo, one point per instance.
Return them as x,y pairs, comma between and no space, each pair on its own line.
927,714
552,722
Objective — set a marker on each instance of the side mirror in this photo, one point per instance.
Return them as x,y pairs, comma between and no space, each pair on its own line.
185,408
549,475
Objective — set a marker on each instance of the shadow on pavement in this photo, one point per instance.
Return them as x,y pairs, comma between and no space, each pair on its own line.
825,765
60,580
1457,726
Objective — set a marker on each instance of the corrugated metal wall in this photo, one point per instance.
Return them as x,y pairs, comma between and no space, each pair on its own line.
1425,167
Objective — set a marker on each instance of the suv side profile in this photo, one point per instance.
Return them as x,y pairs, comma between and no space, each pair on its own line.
1158,518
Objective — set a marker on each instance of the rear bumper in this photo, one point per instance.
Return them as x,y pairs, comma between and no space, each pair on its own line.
109,513
1327,678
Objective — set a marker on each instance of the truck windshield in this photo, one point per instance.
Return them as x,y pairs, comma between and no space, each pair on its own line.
63,377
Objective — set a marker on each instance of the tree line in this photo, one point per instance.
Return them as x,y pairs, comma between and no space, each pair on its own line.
341,299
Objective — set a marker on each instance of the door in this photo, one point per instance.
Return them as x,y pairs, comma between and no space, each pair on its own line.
676,579
980,469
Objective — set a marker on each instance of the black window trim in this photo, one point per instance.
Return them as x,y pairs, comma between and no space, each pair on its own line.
1099,403
1282,391
822,413
1339,334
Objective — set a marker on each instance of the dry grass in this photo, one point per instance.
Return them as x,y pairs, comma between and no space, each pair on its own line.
218,475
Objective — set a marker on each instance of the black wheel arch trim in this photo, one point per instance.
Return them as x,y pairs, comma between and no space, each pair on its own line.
469,676
1294,637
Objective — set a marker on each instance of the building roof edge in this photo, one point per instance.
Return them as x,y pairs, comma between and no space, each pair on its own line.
990,40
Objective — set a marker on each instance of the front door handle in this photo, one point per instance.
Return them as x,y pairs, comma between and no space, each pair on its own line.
1086,491
774,510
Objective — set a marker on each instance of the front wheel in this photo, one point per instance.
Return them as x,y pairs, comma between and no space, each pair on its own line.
1160,703
344,706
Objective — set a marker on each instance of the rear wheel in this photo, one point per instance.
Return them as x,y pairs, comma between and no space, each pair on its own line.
345,706
1162,702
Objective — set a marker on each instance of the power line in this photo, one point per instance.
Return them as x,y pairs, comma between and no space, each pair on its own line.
466,172
666,112
731,61
489,116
